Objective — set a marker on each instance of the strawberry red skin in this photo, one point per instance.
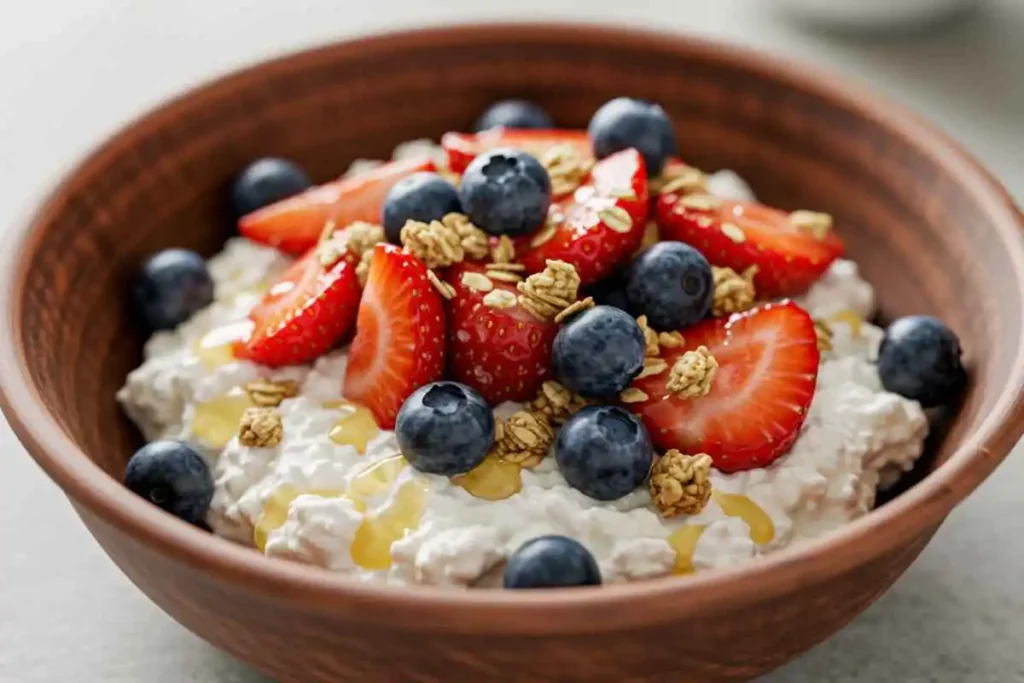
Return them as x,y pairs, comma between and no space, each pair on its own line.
504,353
788,262
294,225
739,432
400,335
462,148
581,237
304,314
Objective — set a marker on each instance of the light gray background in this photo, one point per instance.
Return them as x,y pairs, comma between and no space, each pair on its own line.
72,71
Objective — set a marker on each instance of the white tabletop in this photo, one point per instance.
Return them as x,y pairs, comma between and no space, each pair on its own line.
72,71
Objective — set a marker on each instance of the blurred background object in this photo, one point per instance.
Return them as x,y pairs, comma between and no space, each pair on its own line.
877,14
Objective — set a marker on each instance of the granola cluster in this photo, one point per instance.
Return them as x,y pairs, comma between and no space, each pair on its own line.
692,373
681,484
357,238
265,393
734,292
557,403
474,241
524,438
548,293
566,167
434,243
260,428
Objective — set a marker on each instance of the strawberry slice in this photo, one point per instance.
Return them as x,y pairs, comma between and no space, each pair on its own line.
294,225
586,233
768,366
504,353
303,314
462,148
399,344
738,235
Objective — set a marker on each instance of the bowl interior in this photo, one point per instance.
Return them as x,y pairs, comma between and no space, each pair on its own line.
925,227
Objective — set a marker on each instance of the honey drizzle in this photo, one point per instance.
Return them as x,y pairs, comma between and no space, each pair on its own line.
493,479
215,422
684,541
355,428
762,530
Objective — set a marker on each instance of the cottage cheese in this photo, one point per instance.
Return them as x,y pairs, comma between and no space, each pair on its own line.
855,431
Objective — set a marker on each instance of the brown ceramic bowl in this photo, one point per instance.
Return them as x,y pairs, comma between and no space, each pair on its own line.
929,227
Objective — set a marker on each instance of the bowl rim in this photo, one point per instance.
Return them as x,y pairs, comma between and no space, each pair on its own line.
315,590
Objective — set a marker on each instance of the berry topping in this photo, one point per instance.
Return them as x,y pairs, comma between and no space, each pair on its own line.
462,148
305,313
506,192
422,197
599,226
671,284
604,452
171,285
551,562
267,181
919,358
294,225
173,476
399,342
513,114
445,428
598,352
789,254
496,344
624,122
738,389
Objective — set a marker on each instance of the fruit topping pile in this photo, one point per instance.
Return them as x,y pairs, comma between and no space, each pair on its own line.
589,275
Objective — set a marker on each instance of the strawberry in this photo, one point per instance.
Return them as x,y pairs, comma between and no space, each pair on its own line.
294,225
768,366
504,353
303,314
583,235
739,234
462,148
399,344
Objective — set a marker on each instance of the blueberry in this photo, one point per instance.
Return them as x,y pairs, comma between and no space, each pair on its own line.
420,197
919,358
604,451
267,181
624,122
611,291
445,428
551,562
171,285
506,192
598,352
671,284
513,114
173,476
